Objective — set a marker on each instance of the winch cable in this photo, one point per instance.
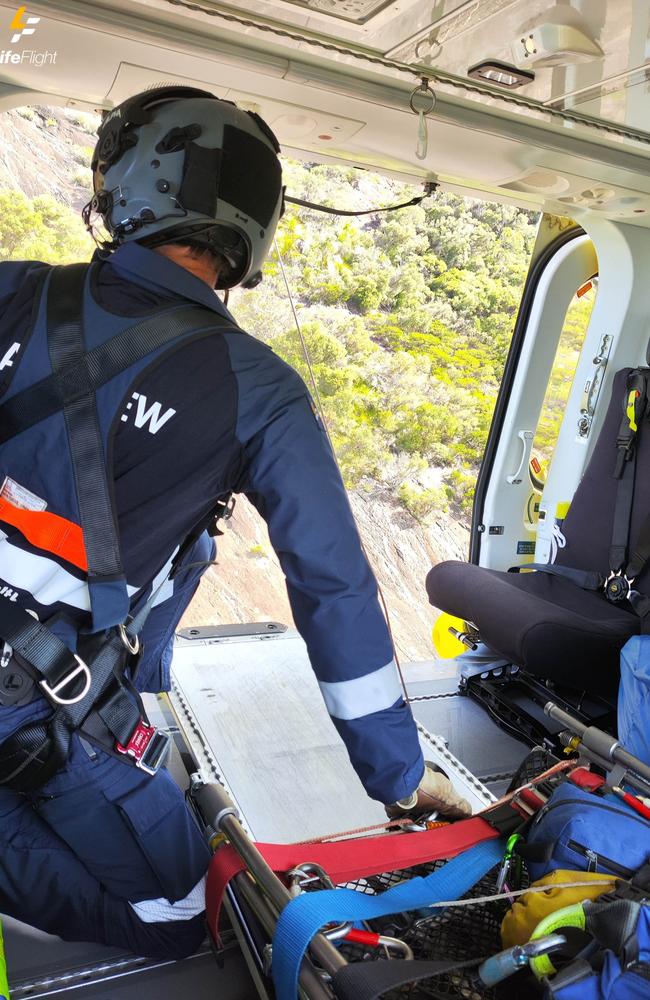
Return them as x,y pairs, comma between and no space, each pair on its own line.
321,412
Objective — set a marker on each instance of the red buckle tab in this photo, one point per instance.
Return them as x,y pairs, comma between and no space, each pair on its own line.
137,745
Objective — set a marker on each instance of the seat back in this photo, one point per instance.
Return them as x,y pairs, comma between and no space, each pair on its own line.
588,524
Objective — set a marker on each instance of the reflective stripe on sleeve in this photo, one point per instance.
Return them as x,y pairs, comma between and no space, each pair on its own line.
362,696
158,911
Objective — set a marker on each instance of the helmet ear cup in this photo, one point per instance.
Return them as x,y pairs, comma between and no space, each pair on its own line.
102,202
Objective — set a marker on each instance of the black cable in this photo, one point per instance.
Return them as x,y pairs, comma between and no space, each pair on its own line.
431,187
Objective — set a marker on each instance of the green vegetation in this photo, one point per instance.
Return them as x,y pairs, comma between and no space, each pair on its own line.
40,229
562,373
408,318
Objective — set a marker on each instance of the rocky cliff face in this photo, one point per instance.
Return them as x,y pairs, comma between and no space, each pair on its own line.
46,151
247,583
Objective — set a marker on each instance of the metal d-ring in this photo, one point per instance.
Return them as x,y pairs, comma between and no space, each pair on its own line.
80,670
132,643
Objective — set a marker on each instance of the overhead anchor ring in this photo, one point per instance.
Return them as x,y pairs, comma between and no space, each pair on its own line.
422,102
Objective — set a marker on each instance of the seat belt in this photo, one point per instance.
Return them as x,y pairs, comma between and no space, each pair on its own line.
95,684
304,915
617,585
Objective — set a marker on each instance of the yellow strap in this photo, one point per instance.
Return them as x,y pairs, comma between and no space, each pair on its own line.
568,916
4,985
631,415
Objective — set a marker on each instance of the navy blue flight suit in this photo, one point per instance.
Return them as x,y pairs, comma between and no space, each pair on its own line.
103,852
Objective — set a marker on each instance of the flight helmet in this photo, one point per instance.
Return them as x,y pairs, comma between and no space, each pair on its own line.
177,164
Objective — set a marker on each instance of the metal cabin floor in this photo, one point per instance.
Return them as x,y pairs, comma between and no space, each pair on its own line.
485,750
43,966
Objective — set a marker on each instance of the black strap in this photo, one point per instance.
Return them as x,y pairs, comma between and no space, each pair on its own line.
106,361
65,296
370,980
583,578
40,647
634,407
640,555
622,515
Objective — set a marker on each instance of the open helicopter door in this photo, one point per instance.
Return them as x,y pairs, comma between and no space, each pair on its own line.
582,319
551,387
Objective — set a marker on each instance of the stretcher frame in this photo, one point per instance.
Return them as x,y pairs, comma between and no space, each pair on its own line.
255,896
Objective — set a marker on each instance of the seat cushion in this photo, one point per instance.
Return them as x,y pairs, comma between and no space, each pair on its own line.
542,623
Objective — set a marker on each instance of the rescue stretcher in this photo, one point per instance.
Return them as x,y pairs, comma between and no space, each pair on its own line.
433,952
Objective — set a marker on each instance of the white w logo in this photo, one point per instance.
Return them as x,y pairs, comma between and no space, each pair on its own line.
151,416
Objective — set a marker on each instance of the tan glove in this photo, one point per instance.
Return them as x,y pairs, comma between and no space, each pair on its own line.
435,793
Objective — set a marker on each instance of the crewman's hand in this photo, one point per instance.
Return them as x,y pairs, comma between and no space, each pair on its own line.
435,793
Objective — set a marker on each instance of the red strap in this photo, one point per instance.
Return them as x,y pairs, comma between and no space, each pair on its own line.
347,860
587,780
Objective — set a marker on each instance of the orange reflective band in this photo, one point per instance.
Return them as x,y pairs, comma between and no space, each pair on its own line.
47,531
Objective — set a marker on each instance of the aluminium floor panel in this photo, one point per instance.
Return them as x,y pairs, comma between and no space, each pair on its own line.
253,705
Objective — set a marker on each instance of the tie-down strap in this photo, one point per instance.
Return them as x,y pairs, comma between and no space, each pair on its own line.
303,916
347,860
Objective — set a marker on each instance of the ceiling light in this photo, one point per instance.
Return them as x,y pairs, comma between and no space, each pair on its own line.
560,37
501,74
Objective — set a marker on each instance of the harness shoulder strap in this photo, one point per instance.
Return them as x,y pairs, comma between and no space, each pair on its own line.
109,598
109,359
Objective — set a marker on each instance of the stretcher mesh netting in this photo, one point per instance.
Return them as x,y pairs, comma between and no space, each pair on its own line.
457,934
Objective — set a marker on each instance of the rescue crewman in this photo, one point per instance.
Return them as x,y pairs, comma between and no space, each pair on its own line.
189,188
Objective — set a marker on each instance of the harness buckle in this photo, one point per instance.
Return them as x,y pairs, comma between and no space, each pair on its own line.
148,747
618,587
53,693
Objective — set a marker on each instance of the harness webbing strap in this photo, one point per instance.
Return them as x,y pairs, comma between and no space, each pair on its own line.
106,704
303,916
109,596
42,649
104,362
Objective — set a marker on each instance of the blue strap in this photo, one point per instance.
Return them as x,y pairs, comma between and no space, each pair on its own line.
306,914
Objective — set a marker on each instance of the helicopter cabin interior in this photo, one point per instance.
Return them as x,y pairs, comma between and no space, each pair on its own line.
521,101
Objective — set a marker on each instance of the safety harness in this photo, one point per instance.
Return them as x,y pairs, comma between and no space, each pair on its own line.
625,566
90,689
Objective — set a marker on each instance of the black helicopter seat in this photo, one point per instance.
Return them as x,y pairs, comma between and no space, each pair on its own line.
568,622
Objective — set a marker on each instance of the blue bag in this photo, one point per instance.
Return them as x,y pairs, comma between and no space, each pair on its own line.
634,697
580,831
